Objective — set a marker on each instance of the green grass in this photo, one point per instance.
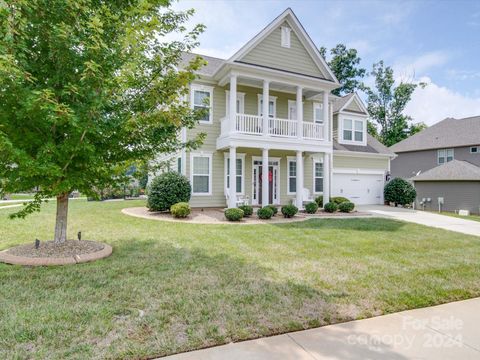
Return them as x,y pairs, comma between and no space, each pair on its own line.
172,287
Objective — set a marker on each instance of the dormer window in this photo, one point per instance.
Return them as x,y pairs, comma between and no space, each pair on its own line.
353,131
285,36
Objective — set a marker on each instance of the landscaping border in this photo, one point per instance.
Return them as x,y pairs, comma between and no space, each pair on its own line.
7,258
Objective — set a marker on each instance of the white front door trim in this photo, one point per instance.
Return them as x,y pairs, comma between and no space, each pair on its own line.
255,191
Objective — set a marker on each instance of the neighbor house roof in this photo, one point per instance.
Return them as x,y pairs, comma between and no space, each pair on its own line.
373,147
445,134
455,170
213,63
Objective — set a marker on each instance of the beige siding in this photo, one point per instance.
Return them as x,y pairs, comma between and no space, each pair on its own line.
270,53
353,106
360,163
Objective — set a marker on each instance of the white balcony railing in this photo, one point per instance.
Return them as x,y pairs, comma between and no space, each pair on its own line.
253,125
313,131
283,127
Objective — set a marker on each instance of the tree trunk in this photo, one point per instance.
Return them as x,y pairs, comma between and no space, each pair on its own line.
61,219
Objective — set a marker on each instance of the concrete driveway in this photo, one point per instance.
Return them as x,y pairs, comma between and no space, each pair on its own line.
445,222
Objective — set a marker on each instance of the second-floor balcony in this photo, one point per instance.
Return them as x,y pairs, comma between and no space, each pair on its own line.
277,127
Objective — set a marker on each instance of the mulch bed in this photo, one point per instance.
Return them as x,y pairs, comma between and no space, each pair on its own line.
50,249
70,252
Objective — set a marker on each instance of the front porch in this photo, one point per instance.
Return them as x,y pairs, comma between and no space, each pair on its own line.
295,177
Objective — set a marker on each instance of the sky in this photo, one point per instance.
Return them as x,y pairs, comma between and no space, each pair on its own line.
436,42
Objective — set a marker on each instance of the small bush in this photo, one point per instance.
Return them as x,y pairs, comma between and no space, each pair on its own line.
180,210
234,214
399,191
289,211
265,213
311,208
247,210
319,201
274,209
330,207
346,207
168,189
339,199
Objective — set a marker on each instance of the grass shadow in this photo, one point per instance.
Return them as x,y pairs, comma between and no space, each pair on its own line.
360,224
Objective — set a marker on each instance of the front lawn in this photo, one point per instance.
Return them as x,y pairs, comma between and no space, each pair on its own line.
171,287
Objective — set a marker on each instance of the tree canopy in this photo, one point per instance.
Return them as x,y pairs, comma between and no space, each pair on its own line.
386,104
345,64
86,88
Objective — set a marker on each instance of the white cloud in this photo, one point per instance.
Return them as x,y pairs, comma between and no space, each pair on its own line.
435,103
419,66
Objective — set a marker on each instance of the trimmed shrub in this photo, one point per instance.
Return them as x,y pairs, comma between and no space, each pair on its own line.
274,209
346,207
319,201
399,191
180,210
311,208
265,213
234,214
247,210
330,207
289,211
168,189
339,199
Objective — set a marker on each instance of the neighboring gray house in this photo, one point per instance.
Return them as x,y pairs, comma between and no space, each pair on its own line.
452,186
443,161
443,142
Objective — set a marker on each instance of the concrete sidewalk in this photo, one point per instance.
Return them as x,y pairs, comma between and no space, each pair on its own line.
449,331
445,222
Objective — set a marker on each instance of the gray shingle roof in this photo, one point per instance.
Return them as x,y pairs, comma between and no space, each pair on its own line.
213,63
445,134
453,170
341,101
373,147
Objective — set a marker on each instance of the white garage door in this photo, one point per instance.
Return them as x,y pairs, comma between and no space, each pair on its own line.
362,189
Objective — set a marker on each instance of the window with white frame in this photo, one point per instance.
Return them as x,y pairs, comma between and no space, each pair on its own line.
353,130
285,36
317,176
240,102
201,176
318,113
202,98
444,156
239,182
272,106
179,164
292,176
474,150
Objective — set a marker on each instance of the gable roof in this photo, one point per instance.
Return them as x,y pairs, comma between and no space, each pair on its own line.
458,170
288,16
373,147
447,133
342,104
213,63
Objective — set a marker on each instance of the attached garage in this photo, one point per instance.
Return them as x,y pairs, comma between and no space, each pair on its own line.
362,188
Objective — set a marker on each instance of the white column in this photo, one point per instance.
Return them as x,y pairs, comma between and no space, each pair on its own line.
233,103
299,105
326,178
326,116
265,189
299,180
265,107
232,191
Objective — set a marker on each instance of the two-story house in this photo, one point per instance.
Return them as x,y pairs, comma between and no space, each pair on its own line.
443,161
270,109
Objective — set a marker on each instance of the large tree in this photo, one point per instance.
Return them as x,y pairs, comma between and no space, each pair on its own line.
345,64
386,105
87,87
